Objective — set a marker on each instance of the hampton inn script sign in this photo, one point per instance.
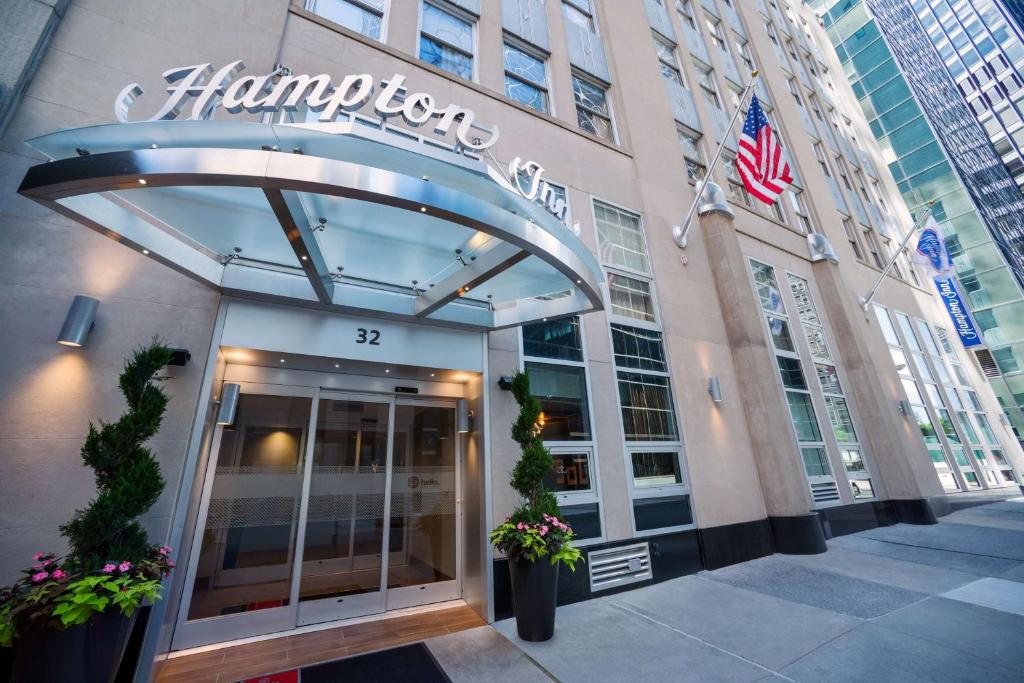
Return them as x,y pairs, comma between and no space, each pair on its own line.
289,92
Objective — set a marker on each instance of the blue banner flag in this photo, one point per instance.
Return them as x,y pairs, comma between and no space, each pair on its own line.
931,252
958,313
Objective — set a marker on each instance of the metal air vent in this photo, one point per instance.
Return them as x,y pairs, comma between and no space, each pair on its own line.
825,492
619,566
987,363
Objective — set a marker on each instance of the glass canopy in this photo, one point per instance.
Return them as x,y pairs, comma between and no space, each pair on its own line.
340,215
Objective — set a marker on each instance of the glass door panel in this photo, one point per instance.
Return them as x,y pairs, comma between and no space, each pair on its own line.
422,538
248,542
345,519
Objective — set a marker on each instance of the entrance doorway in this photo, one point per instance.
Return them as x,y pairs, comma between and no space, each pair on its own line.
323,505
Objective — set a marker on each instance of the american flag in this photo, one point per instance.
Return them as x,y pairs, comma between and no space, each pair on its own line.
761,162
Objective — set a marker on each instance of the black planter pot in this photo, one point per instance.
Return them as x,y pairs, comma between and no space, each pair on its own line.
534,594
90,653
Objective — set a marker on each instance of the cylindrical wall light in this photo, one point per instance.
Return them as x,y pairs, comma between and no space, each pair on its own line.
464,416
715,389
78,322
228,404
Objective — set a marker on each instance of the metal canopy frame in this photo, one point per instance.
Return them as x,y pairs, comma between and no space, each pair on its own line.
83,188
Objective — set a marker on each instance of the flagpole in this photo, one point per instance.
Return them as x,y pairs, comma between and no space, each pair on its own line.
866,299
679,233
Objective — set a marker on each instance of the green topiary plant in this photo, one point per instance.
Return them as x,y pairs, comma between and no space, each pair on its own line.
535,529
128,479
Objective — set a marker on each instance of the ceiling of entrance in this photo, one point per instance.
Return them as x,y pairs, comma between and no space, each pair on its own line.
339,216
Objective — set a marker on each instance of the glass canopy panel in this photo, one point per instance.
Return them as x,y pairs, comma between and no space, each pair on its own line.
362,236
220,219
531,278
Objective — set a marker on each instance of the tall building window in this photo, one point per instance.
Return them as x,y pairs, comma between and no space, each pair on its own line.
593,113
809,437
836,406
554,358
743,50
819,154
364,16
798,204
715,31
851,235
708,87
685,9
526,78
658,485
446,38
580,13
668,62
690,141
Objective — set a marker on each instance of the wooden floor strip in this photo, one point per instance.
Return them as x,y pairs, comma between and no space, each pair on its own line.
252,659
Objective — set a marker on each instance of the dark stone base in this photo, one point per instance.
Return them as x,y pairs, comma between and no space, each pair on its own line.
915,511
799,535
672,556
721,546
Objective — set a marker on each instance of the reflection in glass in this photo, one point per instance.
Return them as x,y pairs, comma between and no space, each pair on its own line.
421,547
569,472
345,521
248,542
804,420
647,412
558,339
562,392
656,469
815,462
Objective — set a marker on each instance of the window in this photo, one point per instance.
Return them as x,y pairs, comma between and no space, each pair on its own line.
819,154
592,112
667,61
797,392
579,13
715,31
364,16
799,206
696,167
851,235
630,297
621,238
553,356
708,87
743,50
526,79
685,10
446,39
653,448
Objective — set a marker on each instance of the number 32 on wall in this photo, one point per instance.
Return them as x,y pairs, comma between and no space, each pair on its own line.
365,336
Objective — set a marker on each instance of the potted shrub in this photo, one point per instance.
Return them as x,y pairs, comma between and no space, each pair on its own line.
534,538
69,618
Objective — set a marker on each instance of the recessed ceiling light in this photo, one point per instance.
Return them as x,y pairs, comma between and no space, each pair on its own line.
303,257
145,251
423,209
431,374
282,360
337,365
387,371
142,181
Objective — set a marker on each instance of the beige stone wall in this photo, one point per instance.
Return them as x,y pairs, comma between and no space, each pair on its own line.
48,394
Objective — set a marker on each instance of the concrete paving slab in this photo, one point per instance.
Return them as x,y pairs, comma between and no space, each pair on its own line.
964,538
999,594
797,582
998,519
483,654
872,653
902,574
949,559
1015,574
767,630
973,630
1014,505
599,641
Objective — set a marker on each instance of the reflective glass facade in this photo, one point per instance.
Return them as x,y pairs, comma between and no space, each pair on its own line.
962,63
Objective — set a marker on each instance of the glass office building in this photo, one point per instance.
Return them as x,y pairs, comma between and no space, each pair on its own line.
940,84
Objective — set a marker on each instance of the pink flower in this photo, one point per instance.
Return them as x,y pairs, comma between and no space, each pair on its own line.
170,563
58,574
165,550
519,526
544,530
109,567
38,556
124,566
36,578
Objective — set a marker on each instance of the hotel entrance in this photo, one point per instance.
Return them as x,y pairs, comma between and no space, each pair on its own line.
321,505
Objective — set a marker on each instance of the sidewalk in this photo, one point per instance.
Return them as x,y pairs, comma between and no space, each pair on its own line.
902,603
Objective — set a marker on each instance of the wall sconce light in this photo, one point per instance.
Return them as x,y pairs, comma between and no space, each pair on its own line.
228,404
904,405
505,382
79,321
715,389
180,357
464,417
